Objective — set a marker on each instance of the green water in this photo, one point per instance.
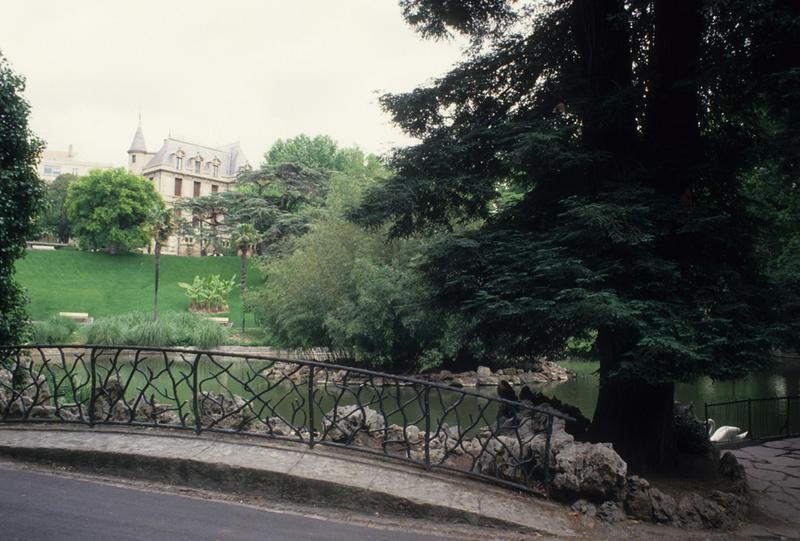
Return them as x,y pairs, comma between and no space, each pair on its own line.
405,404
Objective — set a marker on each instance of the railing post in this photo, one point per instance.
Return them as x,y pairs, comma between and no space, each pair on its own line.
311,406
547,445
788,418
427,407
750,417
93,376
196,395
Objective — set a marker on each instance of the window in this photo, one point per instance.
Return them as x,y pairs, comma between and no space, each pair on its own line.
178,186
178,213
133,158
196,189
75,171
216,170
195,221
178,162
50,170
214,188
197,166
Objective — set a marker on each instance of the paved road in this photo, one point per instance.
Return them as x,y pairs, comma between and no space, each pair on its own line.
35,506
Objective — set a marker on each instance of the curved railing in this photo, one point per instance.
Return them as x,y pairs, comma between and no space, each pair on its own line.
315,403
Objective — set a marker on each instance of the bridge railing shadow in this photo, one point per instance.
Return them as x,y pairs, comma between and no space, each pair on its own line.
432,425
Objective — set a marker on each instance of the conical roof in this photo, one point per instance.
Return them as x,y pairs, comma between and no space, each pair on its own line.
138,144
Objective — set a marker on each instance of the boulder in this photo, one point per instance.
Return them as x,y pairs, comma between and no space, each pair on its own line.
584,507
221,411
730,468
694,511
590,470
638,500
664,506
345,422
610,512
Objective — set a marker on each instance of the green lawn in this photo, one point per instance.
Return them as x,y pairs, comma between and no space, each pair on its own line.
104,285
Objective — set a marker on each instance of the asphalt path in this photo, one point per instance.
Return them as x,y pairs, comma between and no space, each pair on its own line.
36,506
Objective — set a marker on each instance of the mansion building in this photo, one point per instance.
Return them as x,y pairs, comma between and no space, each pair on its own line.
180,169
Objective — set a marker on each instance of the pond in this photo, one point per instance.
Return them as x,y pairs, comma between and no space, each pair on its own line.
404,405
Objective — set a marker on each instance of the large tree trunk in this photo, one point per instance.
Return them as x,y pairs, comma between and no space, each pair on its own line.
634,415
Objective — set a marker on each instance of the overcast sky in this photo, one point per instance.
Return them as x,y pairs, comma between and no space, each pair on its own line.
214,72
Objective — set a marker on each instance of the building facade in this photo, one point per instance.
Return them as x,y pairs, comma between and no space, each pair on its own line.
182,169
57,162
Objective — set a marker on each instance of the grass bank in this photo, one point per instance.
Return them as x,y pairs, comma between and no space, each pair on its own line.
110,285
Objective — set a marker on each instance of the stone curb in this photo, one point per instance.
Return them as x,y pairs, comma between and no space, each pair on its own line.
284,472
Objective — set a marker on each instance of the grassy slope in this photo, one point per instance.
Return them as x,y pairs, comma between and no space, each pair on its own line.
103,285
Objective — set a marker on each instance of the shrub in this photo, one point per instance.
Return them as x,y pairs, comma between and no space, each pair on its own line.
171,329
55,330
209,294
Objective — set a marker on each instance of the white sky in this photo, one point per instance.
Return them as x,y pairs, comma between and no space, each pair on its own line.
214,72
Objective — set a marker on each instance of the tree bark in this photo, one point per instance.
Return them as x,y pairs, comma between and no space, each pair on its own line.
634,415
243,278
157,252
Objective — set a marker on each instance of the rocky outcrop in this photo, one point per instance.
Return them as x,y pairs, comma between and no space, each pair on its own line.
590,470
221,411
28,396
544,372
344,422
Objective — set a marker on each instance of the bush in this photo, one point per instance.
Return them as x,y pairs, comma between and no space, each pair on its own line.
55,330
171,329
209,294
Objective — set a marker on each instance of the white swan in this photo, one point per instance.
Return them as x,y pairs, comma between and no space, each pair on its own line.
724,433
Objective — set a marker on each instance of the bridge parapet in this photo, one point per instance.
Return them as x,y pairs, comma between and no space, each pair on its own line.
428,424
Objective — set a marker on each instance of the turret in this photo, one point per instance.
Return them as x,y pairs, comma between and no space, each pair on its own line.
137,153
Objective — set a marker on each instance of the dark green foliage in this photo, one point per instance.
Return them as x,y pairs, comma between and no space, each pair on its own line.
110,210
21,193
625,131
54,220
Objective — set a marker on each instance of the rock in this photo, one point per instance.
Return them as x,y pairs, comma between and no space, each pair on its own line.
584,507
589,470
505,458
109,403
610,512
694,511
735,506
158,413
730,468
558,441
344,422
222,411
638,502
691,435
484,372
664,506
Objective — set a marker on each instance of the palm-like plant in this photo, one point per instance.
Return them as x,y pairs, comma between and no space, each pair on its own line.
244,236
161,226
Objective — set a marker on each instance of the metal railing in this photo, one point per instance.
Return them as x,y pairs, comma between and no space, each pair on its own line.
762,418
315,403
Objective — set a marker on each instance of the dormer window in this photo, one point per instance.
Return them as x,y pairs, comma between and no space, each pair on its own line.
179,159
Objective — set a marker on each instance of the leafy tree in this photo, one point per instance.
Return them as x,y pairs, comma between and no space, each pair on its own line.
110,209
320,152
244,236
623,128
55,219
21,193
161,227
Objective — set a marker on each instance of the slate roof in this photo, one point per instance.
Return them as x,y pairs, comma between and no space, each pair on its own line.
231,156
138,144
